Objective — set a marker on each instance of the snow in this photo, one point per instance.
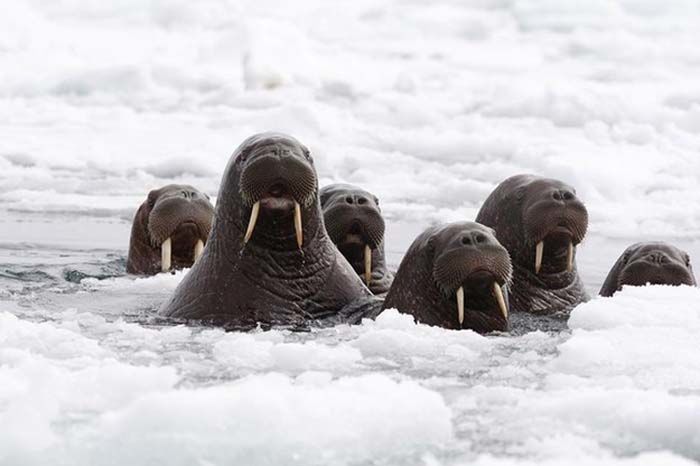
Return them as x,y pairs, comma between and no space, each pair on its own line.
427,104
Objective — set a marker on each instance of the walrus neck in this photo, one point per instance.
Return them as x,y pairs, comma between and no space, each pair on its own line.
546,294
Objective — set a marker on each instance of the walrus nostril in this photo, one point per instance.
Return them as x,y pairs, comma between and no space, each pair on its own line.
479,238
362,200
349,200
467,241
568,196
557,196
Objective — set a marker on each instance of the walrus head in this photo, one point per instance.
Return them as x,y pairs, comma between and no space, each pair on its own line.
652,263
540,222
170,229
269,260
277,183
454,276
355,224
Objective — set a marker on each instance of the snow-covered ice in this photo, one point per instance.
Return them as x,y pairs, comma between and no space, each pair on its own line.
427,104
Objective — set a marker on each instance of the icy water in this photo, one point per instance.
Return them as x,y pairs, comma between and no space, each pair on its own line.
91,376
429,105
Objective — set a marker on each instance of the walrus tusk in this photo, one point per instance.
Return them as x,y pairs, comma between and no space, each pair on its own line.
297,224
539,252
501,301
368,264
570,258
253,220
198,250
166,254
460,305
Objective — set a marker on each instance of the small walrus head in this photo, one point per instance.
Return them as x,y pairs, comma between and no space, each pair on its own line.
277,184
652,263
172,225
539,220
354,223
453,277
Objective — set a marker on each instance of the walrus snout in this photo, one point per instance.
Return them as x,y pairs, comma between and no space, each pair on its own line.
457,267
350,223
171,213
471,268
278,180
555,222
552,216
278,175
656,264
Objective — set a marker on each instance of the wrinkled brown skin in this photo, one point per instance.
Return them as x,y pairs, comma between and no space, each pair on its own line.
180,212
269,281
655,263
350,210
523,210
442,259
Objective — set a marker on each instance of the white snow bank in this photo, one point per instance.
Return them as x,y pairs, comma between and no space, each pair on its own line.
67,397
273,419
642,306
647,459
644,337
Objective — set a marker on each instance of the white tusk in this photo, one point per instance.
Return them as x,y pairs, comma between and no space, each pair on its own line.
368,264
298,225
539,252
253,220
501,301
570,258
460,305
198,250
166,255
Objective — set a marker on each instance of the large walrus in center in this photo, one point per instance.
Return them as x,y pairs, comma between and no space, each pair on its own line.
540,222
269,260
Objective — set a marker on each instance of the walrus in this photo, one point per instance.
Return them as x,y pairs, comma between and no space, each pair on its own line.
654,263
454,276
540,222
355,224
269,260
170,230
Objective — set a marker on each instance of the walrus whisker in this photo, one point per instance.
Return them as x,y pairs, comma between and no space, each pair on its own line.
253,220
460,305
539,253
368,264
298,227
570,258
501,300
166,254
198,250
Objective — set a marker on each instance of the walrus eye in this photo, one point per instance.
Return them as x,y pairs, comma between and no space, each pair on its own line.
153,197
307,154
